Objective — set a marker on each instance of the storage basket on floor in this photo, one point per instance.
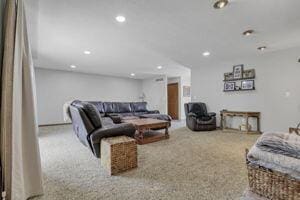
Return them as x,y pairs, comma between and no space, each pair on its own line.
272,184
118,154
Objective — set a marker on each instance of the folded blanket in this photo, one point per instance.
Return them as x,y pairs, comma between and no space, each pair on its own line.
280,143
66,112
277,162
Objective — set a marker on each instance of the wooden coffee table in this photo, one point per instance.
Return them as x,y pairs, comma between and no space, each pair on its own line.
144,133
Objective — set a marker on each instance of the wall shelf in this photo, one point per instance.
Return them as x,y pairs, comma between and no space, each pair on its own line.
239,79
238,90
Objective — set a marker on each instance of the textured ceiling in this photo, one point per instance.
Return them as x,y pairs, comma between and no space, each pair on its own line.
171,33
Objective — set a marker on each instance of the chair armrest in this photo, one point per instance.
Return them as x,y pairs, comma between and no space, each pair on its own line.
211,114
153,112
192,115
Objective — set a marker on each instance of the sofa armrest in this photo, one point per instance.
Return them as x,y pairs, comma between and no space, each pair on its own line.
211,114
153,112
117,119
111,131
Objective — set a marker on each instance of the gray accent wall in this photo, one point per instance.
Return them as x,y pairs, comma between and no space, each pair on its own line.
54,88
277,94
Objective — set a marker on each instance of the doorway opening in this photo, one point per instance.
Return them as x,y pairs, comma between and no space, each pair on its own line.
173,102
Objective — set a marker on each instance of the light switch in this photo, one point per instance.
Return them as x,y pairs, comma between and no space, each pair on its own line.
287,94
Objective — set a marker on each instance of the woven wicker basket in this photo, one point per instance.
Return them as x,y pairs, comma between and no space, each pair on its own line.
272,184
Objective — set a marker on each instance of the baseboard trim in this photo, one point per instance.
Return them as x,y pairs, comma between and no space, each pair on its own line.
58,124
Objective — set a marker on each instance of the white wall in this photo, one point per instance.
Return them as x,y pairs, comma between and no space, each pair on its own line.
155,90
185,81
54,88
277,94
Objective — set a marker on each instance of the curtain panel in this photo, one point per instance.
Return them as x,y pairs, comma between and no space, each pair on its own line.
20,154
26,164
6,94
2,4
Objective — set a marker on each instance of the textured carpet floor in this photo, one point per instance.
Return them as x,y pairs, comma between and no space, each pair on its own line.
190,165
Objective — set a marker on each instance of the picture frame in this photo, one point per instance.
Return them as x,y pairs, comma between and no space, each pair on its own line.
229,86
186,91
249,73
238,71
247,85
228,76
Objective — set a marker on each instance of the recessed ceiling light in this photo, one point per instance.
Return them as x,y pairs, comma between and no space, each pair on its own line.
87,52
159,67
206,53
248,32
120,18
262,48
220,4
132,74
73,66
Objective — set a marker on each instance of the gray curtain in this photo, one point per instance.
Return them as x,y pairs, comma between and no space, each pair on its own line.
6,95
2,3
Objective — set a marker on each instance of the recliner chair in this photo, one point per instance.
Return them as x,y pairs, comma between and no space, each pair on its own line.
197,117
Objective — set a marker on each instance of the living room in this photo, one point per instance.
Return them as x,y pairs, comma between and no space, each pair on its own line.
150,100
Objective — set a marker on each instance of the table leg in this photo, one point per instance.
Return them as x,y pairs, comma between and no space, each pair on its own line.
167,132
258,124
224,122
247,123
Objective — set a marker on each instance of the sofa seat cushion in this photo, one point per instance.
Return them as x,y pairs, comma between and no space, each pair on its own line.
107,121
138,114
206,122
126,114
157,116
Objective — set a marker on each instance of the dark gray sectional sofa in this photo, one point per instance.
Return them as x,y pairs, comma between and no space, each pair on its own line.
94,120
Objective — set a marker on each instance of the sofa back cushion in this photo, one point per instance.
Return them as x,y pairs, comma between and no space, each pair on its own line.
90,111
123,107
139,106
98,104
198,108
109,107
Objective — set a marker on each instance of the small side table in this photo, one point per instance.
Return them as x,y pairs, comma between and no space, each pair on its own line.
245,115
294,130
118,154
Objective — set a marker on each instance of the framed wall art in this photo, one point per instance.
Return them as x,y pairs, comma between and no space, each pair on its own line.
186,91
249,73
229,86
228,76
238,71
247,85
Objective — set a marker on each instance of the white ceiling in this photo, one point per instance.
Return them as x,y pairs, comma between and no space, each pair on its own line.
171,33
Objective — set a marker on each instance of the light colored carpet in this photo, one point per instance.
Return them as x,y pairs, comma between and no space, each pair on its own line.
190,165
